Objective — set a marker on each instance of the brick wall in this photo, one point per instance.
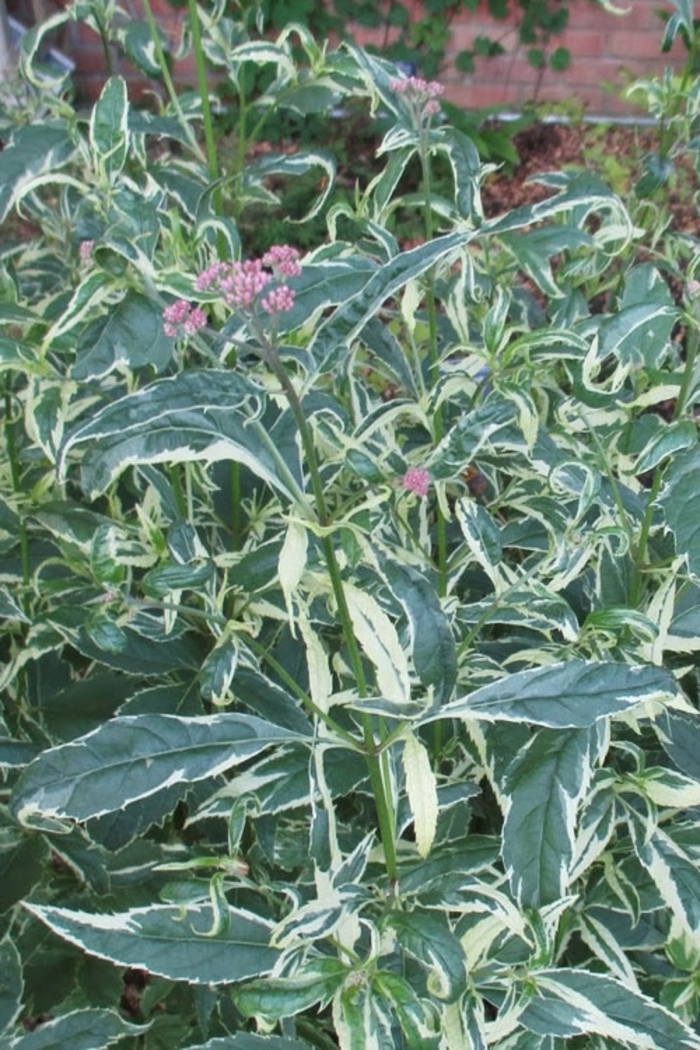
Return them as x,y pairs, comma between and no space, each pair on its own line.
607,52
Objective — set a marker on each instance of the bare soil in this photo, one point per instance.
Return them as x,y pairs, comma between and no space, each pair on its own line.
616,152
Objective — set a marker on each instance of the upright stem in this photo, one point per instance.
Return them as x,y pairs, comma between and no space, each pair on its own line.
376,763
12,457
691,356
168,80
433,349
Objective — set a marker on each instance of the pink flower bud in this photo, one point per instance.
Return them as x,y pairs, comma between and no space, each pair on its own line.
417,480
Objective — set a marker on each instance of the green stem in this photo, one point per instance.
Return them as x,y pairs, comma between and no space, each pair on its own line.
180,498
209,135
294,687
687,381
168,80
375,763
109,66
241,150
17,490
434,352
203,85
691,356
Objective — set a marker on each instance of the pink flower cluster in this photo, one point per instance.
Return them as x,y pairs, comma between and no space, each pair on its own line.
284,260
241,284
181,318
422,94
417,480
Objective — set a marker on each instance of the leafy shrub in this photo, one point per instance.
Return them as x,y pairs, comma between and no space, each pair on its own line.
350,600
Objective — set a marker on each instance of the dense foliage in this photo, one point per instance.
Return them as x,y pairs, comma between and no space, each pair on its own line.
421,37
350,598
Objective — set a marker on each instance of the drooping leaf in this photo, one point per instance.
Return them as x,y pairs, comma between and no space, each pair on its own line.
294,165
348,320
273,998
666,442
172,942
203,416
132,757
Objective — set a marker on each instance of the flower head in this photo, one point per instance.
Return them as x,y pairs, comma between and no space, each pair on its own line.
421,95
181,318
241,284
278,300
283,259
417,480
85,252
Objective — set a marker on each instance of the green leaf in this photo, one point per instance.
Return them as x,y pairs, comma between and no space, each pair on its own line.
137,40
23,860
34,149
679,734
473,432
346,323
132,757
251,1041
274,997
657,171
638,333
587,193
202,416
172,942
681,22
560,59
679,500
533,250
81,1030
675,873
132,336
294,165
218,669
11,984
568,695
432,644
109,129
426,936
570,1003
466,167
9,609
666,442
543,788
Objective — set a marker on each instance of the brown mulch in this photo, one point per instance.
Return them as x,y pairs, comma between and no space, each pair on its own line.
614,151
